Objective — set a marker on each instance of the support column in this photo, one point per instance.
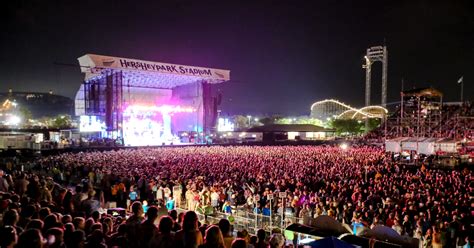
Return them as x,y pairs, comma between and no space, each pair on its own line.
384,77
368,71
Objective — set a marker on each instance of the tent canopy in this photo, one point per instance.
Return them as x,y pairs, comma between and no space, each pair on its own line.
330,242
426,146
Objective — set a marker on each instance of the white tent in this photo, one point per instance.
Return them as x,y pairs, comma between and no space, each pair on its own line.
446,145
410,144
427,146
394,145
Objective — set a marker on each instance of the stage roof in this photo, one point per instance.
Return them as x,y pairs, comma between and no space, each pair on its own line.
140,73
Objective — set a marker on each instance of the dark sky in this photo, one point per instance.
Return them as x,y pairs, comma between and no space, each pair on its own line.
283,55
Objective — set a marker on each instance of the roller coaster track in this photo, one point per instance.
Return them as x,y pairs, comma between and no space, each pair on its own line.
341,110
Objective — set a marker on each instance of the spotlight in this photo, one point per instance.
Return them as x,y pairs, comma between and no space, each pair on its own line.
344,146
13,120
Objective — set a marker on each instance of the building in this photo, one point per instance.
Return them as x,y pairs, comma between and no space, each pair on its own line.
285,132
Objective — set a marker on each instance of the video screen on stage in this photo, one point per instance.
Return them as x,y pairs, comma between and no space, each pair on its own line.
153,125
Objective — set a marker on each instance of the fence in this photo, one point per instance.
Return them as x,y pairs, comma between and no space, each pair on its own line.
242,218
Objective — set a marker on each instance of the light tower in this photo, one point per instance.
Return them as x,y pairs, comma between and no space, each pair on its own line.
374,54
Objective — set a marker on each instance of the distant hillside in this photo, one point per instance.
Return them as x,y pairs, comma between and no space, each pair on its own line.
41,104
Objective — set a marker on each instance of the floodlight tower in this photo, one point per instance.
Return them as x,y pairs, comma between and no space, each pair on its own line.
374,54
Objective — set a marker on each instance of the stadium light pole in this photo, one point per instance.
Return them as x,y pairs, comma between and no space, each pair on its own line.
375,54
367,67
461,81
250,118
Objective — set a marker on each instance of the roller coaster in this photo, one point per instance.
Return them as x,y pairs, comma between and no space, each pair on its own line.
331,108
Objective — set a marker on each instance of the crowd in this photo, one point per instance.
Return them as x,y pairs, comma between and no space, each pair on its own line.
59,199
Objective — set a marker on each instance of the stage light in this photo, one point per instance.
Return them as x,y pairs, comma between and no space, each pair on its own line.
90,124
224,125
13,120
344,146
141,109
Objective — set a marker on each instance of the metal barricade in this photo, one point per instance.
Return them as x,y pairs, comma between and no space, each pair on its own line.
245,218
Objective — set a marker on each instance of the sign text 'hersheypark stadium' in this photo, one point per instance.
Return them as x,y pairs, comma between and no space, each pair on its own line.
164,68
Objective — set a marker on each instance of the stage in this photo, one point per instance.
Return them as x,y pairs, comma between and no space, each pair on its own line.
144,103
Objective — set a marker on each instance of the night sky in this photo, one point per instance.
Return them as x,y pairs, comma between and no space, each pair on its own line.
283,55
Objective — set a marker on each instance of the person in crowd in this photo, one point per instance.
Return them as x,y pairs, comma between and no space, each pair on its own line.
55,237
189,236
90,205
9,237
213,238
96,239
225,227
261,236
173,214
11,218
133,195
253,241
170,204
239,243
133,224
31,238
148,228
4,186
119,238
243,234
277,241
165,236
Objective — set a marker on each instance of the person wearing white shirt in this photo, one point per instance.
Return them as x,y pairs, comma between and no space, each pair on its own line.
214,199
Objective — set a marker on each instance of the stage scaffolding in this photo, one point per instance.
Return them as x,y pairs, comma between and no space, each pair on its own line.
420,113
103,96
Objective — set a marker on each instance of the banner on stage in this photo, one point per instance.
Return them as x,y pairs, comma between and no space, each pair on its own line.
95,63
